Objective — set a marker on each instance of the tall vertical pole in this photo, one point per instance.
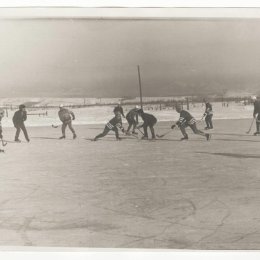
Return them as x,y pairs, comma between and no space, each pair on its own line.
188,104
140,86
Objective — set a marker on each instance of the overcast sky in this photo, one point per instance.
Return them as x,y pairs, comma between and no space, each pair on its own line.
99,58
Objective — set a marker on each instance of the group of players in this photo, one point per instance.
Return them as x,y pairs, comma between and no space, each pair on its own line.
115,124
185,120
149,121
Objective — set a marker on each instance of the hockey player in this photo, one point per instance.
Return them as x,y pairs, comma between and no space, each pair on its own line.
208,115
119,109
185,120
2,113
256,114
149,121
18,119
112,125
66,116
1,130
132,119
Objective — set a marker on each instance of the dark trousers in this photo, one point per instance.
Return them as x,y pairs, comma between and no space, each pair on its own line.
1,131
208,120
18,130
258,124
131,123
106,131
193,128
64,126
151,125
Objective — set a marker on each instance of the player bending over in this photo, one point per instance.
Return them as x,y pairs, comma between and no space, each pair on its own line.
112,125
185,120
132,119
149,121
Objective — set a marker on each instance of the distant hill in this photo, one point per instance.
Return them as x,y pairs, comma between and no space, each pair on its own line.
55,102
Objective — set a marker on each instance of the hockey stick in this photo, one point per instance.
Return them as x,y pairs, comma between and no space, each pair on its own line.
131,135
200,120
140,131
160,136
250,128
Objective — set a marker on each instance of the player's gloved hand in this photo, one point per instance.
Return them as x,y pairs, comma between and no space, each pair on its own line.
123,130
178,124
173,126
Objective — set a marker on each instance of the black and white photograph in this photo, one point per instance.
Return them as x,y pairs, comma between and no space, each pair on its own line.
130,128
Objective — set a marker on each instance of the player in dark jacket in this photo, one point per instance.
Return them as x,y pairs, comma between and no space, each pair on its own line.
132,119
112,125
208,114
119,109
66,116
149,121
185,120
256,114
18,119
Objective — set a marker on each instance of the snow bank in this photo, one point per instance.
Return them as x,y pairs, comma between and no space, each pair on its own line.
102,114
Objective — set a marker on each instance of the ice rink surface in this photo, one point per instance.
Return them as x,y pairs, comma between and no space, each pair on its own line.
132,194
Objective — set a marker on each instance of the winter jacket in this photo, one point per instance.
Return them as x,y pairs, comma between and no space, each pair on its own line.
148,119
66,115
115,122
185,119
19,118
208,110
256,108
132,115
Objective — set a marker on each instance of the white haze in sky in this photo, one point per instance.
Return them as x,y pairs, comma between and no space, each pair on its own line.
99,58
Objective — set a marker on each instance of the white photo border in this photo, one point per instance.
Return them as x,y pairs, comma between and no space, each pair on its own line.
97,254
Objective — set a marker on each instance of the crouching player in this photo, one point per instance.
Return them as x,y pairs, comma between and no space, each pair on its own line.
132,119
185,120
112,125
149,121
